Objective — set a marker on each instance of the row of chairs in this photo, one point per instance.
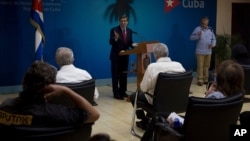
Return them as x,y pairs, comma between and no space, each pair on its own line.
205,119
171,94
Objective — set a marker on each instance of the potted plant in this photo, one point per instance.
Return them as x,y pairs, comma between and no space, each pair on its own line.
223,49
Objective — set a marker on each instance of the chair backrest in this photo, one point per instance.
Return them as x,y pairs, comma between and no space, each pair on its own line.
172,92
210,119
66,133
85,88
246,69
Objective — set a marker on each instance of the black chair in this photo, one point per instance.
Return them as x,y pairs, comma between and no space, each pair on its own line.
85,88
246,69
171,94
208,119
66,133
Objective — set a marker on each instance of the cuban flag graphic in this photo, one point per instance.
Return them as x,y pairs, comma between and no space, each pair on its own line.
36,19
171,4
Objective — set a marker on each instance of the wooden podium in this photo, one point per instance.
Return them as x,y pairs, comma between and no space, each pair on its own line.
141,51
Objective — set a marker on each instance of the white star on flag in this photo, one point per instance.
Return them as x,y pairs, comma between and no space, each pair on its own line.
170,3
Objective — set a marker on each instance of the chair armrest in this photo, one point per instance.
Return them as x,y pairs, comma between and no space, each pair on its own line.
169,129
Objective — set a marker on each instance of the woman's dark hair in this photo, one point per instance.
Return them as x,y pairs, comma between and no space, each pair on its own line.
39,75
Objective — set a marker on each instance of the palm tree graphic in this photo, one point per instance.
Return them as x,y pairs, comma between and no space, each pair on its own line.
121,7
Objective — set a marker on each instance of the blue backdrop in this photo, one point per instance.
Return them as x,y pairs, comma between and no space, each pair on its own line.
84,26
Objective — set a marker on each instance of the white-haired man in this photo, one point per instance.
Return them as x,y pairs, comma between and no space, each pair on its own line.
68,73
163,64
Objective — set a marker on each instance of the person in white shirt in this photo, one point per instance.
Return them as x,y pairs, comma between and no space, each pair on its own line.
68,73
163,64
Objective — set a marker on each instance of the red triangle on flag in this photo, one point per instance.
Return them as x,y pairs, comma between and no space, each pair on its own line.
37,5
170,4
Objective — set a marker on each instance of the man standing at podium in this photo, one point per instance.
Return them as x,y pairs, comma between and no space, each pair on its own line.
120,40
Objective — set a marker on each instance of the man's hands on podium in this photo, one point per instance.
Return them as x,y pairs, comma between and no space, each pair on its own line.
135,44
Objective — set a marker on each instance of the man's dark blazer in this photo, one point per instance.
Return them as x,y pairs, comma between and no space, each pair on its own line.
119,45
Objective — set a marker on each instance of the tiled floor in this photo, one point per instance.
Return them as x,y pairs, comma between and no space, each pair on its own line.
116,115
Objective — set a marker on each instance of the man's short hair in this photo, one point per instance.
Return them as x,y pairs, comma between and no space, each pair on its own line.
64,56
205,18
123,17
161,50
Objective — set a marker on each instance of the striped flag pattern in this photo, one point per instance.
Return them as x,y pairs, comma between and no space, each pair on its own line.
36,19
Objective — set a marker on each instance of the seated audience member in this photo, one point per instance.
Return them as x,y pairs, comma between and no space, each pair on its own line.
101,137
38,88
68,73
240,54
229,80
163,64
